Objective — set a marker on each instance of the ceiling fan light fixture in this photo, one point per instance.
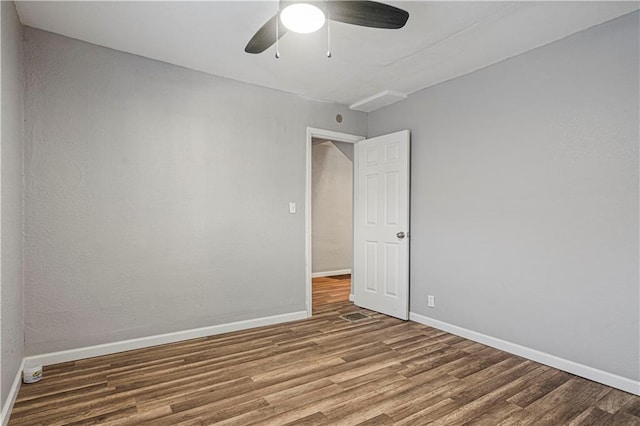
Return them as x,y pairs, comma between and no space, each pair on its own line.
302,17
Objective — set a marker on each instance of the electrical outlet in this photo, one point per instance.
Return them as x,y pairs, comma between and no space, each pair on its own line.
431,301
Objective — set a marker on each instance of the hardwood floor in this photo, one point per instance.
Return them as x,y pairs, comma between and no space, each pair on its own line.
320,371
328,290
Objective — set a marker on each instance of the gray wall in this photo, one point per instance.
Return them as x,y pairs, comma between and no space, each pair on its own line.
157,197
332,217
11,282
524,214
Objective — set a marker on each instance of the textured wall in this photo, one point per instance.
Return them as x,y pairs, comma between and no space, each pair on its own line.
157,197
524,214
11,282
332,217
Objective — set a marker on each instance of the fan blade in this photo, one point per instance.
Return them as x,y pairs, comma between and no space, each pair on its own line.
265,36
368,14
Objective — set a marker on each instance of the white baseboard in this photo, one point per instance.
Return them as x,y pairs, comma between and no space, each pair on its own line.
572,367
331,273
7,405
351,297
160,339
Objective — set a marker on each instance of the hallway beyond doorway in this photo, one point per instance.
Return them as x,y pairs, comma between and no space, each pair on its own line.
328,290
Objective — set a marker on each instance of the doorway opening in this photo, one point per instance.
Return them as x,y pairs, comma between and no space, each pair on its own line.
331,221
329,217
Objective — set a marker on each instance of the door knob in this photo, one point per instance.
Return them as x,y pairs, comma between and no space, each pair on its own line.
400,235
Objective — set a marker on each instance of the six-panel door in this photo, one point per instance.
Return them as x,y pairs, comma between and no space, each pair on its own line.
381,248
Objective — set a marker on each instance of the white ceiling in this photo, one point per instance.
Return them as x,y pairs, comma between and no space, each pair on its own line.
441,40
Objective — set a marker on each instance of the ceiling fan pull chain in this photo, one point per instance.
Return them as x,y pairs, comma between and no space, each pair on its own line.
328,33
278,35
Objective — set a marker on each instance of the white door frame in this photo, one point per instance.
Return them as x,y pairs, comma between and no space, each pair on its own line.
331,136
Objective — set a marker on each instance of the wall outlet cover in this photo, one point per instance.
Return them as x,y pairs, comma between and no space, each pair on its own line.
431,301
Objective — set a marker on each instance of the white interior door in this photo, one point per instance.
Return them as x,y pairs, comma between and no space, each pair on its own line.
381,247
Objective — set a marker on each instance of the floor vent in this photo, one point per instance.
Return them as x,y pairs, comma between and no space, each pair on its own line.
355,316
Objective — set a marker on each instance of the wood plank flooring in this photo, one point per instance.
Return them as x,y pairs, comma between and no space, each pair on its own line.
327,290
320,371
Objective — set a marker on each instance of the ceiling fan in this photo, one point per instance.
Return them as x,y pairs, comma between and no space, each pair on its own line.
310,16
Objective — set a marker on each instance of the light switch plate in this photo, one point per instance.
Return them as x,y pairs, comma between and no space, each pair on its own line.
292,208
